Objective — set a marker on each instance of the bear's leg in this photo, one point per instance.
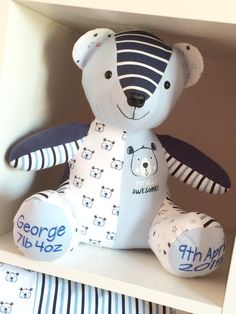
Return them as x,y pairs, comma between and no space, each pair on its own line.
46,226
186,244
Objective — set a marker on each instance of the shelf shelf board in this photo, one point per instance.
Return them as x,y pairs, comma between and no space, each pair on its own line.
132,272
213,31
184,9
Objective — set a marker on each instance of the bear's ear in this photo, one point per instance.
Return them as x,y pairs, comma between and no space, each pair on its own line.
87,44
130,150
153,146
191,60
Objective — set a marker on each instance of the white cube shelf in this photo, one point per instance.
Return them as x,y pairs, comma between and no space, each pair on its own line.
40,86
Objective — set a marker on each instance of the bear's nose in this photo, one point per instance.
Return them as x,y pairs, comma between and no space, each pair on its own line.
145,165
136,100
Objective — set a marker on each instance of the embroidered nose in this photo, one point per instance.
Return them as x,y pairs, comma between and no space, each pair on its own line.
136,100
145,165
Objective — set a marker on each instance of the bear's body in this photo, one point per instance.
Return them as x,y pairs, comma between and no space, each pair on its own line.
116,194
138,197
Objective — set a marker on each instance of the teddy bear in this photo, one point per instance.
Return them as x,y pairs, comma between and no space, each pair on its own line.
116,193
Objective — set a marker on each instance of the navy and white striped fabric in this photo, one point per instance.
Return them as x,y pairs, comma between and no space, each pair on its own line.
48,148
141,61
192,178
29,292
46,157
189,165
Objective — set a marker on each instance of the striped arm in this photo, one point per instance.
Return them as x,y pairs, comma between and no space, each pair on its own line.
46,157
192,167
48,148
193,178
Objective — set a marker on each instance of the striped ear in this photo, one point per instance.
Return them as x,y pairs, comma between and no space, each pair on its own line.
191,60
87,44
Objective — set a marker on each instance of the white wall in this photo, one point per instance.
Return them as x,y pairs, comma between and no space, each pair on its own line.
39,87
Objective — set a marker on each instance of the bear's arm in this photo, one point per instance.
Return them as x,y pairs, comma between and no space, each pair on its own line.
189,165
48,148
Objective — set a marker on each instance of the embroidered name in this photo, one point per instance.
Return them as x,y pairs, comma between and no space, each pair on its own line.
213,258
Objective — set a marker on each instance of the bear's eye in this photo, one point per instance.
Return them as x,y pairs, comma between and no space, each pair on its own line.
167,84
108,75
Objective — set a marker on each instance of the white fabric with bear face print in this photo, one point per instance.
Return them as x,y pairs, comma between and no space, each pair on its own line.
17,289
98,161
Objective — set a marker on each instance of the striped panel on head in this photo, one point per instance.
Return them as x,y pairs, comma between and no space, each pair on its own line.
141,61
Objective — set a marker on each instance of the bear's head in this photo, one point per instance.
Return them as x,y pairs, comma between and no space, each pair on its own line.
144,162
133,79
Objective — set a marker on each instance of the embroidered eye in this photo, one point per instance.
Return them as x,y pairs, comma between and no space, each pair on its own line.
167,84
108,75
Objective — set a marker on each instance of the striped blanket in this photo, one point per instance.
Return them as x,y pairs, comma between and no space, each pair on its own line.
23,291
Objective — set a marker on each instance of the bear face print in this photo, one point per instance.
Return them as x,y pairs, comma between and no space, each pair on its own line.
78,182
96,173
116,164
106,192
94,242
144,162
99,221
111,235
87,153
107,144
25,293
84,230
11,276
87,201
6,307
116,210
99,127
72,163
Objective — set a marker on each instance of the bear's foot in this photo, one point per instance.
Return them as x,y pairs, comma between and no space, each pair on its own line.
187,244
45,226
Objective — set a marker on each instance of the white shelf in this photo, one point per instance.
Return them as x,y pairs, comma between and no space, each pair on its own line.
134,272
184,9
207,22
38,81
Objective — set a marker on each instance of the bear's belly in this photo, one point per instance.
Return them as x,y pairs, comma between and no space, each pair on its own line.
116,196
143,189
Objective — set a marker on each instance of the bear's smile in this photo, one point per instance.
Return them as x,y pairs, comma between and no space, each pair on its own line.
133,116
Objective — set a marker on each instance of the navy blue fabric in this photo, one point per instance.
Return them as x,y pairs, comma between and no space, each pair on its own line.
151,56
193,158
142,47
141,58
136,69
138,35
149,40
137,31
136,81
54,136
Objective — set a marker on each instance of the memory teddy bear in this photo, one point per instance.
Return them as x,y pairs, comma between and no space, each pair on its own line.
116,192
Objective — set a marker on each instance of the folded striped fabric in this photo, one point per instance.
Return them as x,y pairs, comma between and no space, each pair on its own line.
28,292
